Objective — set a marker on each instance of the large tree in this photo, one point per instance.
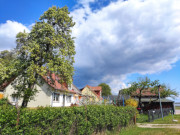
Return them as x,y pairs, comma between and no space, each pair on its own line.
48,48
145,84
7,63
106,90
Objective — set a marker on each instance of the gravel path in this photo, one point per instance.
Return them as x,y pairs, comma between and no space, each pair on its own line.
142,125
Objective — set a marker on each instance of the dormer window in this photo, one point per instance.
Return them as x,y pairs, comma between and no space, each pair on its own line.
70,87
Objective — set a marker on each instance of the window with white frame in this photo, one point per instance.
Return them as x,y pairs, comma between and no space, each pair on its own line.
14,99
56,97
70,86
68,99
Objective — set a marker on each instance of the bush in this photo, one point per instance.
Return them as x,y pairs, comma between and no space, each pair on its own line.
131,102
72,120
142,118
3,101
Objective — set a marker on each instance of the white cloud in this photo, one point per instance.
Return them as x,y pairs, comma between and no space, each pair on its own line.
8,33
126,37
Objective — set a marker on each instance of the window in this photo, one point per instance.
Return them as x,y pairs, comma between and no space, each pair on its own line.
68,99
14,99
70,86
56,97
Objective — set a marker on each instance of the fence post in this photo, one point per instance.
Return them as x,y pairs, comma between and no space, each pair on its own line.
135,119
149,116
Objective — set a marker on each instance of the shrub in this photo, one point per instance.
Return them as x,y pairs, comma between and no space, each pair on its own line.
72,120
131,102
142,118
3,101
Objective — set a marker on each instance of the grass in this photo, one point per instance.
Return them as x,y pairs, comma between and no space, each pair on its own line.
167,120
133,130
142,118
149,131
177,107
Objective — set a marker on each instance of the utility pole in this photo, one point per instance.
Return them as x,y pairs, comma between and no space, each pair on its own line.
160,101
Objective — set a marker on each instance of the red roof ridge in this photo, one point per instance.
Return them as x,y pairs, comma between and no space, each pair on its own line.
95,87
90,87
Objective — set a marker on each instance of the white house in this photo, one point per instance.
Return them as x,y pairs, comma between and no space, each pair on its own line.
49,94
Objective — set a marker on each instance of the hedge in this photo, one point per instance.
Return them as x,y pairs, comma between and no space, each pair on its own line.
84,120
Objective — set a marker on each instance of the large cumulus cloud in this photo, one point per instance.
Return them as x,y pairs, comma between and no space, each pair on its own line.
125,37
8,33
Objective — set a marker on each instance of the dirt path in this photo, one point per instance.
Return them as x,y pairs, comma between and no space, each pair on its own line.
142,125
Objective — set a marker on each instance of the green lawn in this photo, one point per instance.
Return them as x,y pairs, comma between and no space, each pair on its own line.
152,131
149,131
177,107
167,120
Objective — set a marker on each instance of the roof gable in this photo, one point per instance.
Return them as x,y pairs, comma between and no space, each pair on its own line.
93,89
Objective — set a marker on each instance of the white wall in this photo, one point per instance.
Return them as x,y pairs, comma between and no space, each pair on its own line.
42,98
60,102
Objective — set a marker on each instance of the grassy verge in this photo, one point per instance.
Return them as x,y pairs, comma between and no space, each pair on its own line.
142,118
166,120
149,131
177,107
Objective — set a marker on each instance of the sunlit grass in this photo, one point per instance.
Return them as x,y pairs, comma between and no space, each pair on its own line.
167,120
177,107
149,131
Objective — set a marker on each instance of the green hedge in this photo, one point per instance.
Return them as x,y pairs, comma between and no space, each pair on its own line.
71,120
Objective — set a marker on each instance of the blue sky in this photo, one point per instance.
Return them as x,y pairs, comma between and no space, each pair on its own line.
116,41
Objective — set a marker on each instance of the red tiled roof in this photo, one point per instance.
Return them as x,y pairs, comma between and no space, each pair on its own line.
95,87
5,84
54,84
147,92
53,81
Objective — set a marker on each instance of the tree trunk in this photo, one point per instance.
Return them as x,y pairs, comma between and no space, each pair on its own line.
24,103
27,96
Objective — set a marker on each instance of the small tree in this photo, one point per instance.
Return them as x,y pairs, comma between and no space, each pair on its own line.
145,84
106,90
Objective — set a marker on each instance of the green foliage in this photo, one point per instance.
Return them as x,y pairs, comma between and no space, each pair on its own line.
145,84
74,120
142,118
131,102
3,101
7,65
106,90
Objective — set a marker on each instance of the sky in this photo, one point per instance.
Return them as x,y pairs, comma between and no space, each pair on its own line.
117,41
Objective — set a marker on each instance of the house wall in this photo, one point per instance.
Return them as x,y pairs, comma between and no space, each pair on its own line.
88,92
60,102
42,98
